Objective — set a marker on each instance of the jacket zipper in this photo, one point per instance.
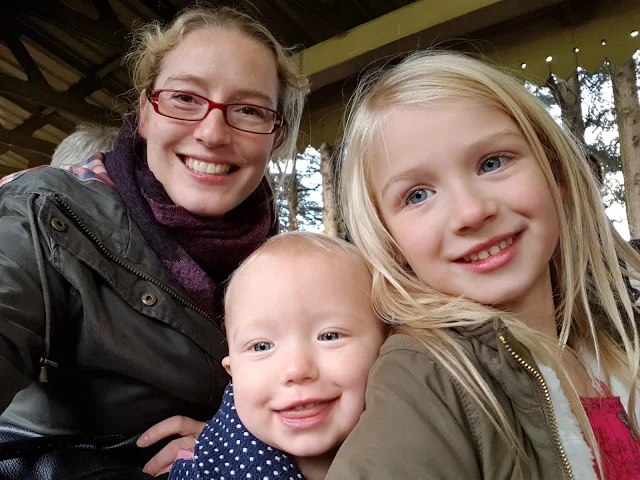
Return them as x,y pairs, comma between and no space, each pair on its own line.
545,390
105,251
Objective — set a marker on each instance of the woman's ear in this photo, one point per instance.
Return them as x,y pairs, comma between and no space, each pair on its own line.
281,134
227,365
143,103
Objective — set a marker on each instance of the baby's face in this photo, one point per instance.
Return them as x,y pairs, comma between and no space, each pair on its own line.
302,338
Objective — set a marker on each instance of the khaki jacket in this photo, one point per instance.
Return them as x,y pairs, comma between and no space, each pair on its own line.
420,424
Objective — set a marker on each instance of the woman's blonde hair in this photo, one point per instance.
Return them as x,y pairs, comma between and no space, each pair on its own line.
153,41
594,313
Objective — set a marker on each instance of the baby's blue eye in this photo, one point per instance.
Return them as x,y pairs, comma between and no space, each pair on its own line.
492,164
262,346
327,337
420,195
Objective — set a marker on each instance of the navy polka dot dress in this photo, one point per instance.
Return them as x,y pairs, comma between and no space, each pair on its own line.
225,450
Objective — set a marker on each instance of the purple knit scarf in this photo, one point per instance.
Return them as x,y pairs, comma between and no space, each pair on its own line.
200,252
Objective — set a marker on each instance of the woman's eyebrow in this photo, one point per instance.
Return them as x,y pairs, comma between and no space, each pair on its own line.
236,94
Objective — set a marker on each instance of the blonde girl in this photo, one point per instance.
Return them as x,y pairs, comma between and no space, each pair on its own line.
515,353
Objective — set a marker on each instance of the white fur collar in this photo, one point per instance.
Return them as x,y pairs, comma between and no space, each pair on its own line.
575,446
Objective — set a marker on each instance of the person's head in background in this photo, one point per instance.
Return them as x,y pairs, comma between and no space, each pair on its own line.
302,338
210,157
86,139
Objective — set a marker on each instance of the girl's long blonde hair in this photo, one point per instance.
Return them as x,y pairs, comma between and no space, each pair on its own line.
594,314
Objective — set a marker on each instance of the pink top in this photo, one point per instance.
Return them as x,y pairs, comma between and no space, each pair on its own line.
619,449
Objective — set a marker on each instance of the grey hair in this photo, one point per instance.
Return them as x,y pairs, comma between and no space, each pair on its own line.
87,139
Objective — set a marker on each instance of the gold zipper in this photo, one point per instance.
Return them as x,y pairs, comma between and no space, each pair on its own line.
545,390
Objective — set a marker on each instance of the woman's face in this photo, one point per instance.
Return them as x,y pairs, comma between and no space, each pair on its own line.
226,67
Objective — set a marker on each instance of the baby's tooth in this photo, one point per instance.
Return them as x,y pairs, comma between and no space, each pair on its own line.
482,255
503,244
509,240
495,249
473,257
466,258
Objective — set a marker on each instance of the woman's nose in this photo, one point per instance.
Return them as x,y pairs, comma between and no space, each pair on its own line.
213,130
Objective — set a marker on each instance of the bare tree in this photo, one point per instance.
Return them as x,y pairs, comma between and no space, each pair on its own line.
287,193
331,218
568,97
298,192
625,97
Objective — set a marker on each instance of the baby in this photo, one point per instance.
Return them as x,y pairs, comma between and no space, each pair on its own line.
302,338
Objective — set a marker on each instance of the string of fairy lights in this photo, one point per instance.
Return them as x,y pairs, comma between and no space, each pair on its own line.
603,42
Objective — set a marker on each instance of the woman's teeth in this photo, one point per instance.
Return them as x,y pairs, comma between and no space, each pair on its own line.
482,254
207,167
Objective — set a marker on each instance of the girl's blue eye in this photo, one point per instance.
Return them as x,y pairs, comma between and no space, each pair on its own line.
492,164
418,196
262,346
327,337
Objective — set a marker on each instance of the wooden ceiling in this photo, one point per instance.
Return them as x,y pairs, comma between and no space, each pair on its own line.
60,60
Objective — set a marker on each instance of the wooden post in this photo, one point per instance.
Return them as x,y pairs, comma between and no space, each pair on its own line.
625,97
331,218
567,94
292,197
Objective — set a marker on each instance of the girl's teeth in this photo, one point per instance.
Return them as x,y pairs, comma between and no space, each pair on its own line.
487,253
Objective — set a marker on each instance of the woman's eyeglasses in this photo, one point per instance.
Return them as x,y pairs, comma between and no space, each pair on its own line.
192,108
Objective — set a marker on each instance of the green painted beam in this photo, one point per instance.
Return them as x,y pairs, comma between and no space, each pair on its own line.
396,25
529,43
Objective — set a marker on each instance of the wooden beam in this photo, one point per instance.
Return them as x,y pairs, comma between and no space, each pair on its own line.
27,91
4,170
12,139
396,25
11,35
33,123
162,8
35,159
104,30
60,51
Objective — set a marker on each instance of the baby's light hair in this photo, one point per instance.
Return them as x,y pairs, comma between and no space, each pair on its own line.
295,245
594,313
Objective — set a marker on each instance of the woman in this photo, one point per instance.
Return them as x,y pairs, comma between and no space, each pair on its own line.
114,269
